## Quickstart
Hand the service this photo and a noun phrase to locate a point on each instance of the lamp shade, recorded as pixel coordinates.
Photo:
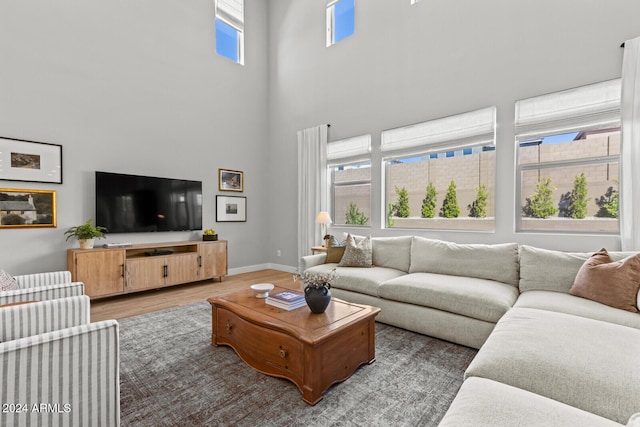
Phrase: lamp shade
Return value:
(323, 218)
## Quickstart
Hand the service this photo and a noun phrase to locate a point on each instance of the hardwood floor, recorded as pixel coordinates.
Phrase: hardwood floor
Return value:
(122, 306)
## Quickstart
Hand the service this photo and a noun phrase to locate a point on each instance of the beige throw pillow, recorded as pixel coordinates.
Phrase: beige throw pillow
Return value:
(335, 250)
(356, 254)
(614, 283)
(7, 282)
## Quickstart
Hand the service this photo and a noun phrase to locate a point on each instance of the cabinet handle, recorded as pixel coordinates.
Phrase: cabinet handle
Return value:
(199, 260)
(229, 328)
(166, 270)
(283, 353)
(122, 270)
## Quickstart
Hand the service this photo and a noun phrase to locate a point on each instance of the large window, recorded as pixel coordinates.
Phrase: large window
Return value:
(440, 174)
(349, 162)
(340, 20)
(568, 151)
(230, 29)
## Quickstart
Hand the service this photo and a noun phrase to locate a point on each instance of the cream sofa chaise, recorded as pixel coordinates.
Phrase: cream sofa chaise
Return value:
(550, 358)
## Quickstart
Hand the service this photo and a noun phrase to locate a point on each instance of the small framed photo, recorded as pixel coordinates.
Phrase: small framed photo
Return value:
(230, 180)
(21, 208)
(30, 161)
(231, 209)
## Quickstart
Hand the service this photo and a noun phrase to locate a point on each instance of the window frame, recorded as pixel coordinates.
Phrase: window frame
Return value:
(235, 19)
(348, 152)
(570, 116)
(331, 22)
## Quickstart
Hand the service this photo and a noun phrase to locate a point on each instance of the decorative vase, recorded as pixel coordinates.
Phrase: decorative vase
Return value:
(86, 243)
(318, 299)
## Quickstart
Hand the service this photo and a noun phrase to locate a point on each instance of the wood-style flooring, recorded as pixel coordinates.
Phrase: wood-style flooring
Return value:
(134, 304)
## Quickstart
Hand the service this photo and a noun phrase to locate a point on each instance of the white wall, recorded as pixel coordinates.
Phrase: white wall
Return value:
(133, 87)
(407, 64)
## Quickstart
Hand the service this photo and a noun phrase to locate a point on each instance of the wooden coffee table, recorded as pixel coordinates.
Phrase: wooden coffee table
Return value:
(314, 351)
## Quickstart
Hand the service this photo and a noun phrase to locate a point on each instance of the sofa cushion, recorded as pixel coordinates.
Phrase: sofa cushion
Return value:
(492, 262)
(392, 252)
(614, 283)
(357, 254)
(477, 298)
(7, 282)
(486, 403)
(565, 303)
(560, 268)
(362, 280)
(585, 363)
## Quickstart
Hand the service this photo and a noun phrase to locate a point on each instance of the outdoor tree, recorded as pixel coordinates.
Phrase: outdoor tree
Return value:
(608, 204)
(478, 208)
(355, 216)
(390, 220)
(540, 204)
(450, 208)
(429, 201)
(401, 208)
(578, 199)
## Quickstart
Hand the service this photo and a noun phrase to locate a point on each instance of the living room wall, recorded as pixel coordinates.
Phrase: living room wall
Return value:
(407, 64)
(133, 87)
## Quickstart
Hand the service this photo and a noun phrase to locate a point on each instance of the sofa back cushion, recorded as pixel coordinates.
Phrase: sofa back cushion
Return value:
(392, 252)
(548, 270)
(493, 262)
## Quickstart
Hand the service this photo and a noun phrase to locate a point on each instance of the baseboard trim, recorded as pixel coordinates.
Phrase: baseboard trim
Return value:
(258, 267)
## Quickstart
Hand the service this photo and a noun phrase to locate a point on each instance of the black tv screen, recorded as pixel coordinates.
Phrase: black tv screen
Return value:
(133, 203)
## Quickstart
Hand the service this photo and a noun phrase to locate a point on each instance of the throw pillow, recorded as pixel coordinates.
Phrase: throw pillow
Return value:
(356, 254)
(335, 250)
(7, 282)
(614, 283)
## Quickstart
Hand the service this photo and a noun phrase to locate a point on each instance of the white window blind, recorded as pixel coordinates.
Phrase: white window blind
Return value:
(462, 130)
(232, 12)
(350, 149)
(595, 106)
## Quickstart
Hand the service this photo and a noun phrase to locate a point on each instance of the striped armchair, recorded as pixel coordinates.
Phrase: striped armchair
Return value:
(56, 368)
(42, 286)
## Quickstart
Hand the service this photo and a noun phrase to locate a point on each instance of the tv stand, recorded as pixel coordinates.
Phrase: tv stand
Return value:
(121, 270)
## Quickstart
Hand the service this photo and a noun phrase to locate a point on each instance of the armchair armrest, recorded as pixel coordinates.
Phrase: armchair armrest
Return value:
(42, 293)
(75, 371)
(26, 281)
(25, 320)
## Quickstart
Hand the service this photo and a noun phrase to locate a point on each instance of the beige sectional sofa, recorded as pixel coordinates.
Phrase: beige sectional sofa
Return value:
(546, 357)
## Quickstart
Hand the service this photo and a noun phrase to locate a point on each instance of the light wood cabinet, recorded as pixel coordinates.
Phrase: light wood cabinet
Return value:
(113, 271)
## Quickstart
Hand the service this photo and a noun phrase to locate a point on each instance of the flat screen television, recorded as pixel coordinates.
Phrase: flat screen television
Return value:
(133, 203)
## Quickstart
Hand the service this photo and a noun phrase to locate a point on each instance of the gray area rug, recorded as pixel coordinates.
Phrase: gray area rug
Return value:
(170, 375)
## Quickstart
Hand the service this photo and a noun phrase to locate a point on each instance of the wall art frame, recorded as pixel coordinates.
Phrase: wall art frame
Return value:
(30, 161)
(230, 180)
(231, 209)
(23, 208)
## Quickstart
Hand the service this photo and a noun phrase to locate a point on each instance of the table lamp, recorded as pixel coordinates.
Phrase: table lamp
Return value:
(323, 218)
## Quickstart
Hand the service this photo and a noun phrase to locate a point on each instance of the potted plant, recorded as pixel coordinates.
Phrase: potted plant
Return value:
(209, 234)
(86, 234)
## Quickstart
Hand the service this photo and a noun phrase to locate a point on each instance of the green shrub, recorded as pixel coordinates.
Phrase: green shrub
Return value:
(578, 198)
(429, 201)
(390, 221)
(354, 216)
(478, 208)
(450, 208)
(608, 204)
(540, 204)
(401, 208)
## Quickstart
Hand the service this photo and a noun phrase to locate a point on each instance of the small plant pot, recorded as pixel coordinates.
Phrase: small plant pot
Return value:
(86, 243)
(209, 237)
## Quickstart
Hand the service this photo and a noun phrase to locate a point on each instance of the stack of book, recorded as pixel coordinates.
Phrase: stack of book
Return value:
(286, 300)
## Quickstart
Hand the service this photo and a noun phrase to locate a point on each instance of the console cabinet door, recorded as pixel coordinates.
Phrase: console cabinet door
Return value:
(213, 259)
(101, 271)
(181, 268)
(145, 273)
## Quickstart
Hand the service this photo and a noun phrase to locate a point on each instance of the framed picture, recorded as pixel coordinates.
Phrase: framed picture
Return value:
(21, 208)
(231, 209)
(30, 161)
(230, 180)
